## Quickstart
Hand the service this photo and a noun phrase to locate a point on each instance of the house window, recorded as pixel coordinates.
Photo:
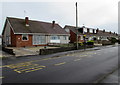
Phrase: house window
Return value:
(24, 37)
(65, 37)
(95, 31)
(91, 31)
(39, 39)
(55, 37)
(85, 29)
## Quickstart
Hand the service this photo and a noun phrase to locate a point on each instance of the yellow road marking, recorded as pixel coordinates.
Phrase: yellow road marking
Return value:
(90, 56)
(18, 71)
(1, 77)
(33, 70)
(77, 59)
(32, 65)
(59, 63)
(30, 68)
(25, 67)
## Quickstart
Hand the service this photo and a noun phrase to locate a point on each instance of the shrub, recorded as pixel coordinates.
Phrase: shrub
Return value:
(90, 42)
(113, 40)
(80, 43)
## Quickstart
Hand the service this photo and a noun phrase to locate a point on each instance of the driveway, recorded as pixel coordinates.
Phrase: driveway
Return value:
(21, 51)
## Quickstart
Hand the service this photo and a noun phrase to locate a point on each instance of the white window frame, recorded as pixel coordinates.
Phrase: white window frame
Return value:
(38, 37)
(95, 31)
(91, 30)
(85, 29)
(26, 36)
(65, 37)
(55, 36)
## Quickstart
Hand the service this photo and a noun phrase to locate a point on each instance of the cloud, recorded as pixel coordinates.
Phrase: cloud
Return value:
(92, 13)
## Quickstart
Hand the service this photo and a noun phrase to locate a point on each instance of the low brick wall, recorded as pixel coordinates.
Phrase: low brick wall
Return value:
(106, 43)
(62, 49)
(10, 51)
(55, 50)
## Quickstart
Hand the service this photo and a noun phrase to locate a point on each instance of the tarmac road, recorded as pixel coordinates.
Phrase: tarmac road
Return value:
(82, 67)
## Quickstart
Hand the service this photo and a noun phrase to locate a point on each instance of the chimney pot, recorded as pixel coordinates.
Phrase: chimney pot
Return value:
(93, 31)
(88, 30)
(104, 30)
(53, 24)
(97, 30)
(26, 21)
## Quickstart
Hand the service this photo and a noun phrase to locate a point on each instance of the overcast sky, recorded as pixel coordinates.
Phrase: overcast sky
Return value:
(102, 14)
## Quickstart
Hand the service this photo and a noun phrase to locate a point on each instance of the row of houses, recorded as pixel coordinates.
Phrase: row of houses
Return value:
(90, 33)
(24, 32)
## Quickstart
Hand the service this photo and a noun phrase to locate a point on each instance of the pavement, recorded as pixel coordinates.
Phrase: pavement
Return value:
(28, 51)
(74, 67)
(111, 78)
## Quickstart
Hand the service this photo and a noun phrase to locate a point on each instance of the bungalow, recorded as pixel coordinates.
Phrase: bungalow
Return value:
(91, 34)
(24, 32)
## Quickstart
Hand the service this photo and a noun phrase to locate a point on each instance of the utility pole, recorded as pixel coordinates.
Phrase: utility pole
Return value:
(76, 27)
(24, 13)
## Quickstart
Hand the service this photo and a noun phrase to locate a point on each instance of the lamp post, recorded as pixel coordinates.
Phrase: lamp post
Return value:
(76, 27)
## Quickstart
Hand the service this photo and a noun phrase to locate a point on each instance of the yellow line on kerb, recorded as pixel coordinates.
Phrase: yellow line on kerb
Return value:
(59, 64)
(1, 77)
(77, 59)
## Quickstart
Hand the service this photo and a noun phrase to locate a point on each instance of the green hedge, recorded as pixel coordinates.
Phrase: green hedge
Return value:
(113, 40)
(90, 42)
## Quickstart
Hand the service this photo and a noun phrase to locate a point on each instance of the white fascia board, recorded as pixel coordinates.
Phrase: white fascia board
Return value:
(10, 26)
(42, 34)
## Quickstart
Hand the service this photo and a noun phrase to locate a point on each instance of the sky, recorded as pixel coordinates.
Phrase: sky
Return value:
(102, 14)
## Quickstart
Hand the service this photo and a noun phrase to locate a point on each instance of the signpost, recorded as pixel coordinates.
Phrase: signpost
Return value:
(84, 36)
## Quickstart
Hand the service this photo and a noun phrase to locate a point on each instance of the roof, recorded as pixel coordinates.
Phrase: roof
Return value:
(100, 33)
(73, 29)
(18, 26)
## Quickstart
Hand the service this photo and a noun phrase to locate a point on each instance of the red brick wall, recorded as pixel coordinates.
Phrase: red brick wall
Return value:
(13, 39)
(21, 43)
(16, 40)
(73, 37)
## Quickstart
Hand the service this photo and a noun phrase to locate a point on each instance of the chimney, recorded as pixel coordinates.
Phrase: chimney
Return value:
(53, 24)
(97, 30)
(26, 21)
(93, 31)
(88, 30)
(104, 30)
(110, 32)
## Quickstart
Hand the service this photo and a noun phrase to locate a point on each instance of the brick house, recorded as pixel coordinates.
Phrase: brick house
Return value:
(91, 33)
(72, 31)
(24, 32)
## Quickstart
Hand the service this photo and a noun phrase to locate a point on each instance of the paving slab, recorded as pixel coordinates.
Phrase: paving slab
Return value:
(112, 78)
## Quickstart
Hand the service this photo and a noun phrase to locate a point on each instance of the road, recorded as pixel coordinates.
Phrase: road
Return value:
(82, 67)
